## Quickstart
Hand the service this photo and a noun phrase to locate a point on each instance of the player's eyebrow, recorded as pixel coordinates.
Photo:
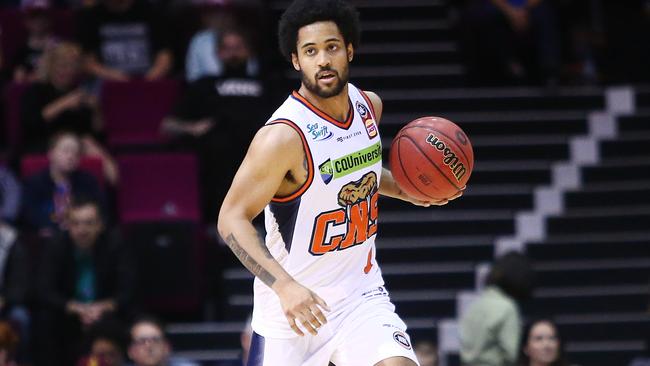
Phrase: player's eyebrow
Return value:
(333, 39)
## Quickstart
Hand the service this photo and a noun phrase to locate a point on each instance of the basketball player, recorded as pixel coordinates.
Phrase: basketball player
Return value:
(316, 171)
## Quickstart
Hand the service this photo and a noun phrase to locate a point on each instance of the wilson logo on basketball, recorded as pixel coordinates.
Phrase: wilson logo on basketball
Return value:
(353, 223)
(450, 157)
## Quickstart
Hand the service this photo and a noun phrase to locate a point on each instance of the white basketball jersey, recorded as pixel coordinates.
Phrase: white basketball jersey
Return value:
(324, 234)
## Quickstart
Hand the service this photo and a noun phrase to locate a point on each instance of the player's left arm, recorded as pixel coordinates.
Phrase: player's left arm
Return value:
(388, 186)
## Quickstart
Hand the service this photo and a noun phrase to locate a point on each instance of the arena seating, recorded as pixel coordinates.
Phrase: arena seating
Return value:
(593, 268)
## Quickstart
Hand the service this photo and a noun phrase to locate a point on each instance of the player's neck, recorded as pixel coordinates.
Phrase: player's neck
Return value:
(336, 106)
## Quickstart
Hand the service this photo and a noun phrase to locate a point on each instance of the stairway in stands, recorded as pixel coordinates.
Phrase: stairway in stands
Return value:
(427, 256)
(594, 266)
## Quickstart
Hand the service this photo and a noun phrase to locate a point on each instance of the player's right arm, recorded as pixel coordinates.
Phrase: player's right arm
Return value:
(275, 152)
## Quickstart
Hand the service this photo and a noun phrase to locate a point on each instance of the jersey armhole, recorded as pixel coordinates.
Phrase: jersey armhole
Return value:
(310, 164)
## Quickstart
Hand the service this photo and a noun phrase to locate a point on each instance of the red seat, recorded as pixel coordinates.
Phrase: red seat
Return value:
(158, 187)
(34, 163)
(134, 110)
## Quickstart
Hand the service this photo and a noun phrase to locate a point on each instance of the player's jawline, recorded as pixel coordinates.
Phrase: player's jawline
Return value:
(256, 269)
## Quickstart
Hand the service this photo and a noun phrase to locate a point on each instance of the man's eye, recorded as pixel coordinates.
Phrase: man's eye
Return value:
(310, 51)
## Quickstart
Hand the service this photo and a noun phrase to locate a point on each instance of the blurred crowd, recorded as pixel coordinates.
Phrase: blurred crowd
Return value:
(81, 80)
(74, 287)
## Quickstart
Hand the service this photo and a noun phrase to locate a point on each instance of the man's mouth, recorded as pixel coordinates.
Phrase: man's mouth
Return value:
(326, 75)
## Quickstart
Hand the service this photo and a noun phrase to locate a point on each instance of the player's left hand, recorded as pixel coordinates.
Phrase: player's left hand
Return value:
(418, 202)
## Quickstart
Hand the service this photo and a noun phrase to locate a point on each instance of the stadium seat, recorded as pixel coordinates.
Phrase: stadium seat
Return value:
(158, 187)
(133, 110)
(33, 163)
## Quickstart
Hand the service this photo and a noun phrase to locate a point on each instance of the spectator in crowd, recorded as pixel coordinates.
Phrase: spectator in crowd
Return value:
(510, 41)
(490, 330)
(14, 262)
(106, 342)
(10, 195)
(86, 275)
(48, 193)
(28, 56)
(217, 116)
(542, 345)
(14, 287)
(8, 342)
(202, 59)
(150, 346)
(426, 352)
(62, 103)
(123, 39)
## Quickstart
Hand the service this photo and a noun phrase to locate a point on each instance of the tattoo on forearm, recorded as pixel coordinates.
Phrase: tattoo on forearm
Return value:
(249, 262)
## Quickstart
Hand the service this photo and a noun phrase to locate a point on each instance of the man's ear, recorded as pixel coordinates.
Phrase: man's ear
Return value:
(294, 61)
(350, 50)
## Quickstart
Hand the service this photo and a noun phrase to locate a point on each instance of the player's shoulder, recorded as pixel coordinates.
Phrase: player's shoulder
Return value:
(276, 138)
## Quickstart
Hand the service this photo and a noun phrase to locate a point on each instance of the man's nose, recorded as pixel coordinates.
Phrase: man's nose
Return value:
(323, 59)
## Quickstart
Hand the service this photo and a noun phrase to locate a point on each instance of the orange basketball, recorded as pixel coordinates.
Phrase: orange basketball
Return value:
(431, 158)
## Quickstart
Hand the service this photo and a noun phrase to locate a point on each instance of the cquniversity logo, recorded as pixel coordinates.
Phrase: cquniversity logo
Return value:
(318, 133)
(326, 171)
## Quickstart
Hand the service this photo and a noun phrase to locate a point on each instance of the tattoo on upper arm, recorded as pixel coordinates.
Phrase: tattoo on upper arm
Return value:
(250, 263)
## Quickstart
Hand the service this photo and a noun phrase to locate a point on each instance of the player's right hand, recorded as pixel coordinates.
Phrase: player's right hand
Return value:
(302, 306)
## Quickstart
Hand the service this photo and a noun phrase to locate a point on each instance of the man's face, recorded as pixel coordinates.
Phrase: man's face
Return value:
(322, 58)
(149, 347)
(84, 225)
(108, 351)
(64, 155)
(233, 50)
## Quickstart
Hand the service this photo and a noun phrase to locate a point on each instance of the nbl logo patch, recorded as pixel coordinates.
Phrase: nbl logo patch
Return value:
(369, 123)
(402, 339)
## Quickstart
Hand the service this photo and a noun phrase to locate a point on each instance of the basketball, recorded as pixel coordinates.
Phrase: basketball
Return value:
(431, 158)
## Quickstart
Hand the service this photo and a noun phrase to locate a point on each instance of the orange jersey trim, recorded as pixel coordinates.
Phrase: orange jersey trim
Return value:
(310, 165)
(345, 125)
(372, 107)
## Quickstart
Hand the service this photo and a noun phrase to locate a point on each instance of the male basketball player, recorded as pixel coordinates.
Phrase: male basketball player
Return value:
(315, 169)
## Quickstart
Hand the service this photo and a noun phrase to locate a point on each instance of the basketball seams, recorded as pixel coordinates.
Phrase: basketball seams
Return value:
(430, 161)
(404, 170)
(426, 128)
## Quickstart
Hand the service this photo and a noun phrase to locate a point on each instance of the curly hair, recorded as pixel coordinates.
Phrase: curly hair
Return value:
(304, 12)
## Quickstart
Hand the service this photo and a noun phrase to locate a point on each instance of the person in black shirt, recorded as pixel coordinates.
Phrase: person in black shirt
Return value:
(59, 102)
(218, 115)
(62, 103)
(86, 275)
(123, 39)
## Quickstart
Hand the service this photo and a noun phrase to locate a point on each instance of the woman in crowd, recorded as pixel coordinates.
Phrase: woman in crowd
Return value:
(542, 345)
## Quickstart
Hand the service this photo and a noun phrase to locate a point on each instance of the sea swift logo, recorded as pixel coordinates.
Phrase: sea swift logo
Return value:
(366, 117)
(318, 132)
(340, 167)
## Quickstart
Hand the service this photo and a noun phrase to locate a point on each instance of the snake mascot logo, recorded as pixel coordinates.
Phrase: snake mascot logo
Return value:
(357, 215)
